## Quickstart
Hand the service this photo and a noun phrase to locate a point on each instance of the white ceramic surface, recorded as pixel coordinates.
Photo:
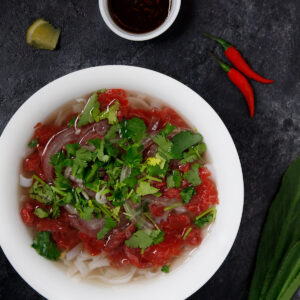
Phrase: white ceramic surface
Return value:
(174, 10)
(52, 282)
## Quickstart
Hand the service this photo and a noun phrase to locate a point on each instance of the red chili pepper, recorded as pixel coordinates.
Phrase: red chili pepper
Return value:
(241, 82)
(237, 60)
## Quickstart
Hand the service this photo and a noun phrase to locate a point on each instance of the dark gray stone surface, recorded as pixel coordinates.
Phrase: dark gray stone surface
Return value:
(267, 33)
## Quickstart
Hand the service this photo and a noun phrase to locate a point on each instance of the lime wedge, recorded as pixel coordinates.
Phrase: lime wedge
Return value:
(42, 35)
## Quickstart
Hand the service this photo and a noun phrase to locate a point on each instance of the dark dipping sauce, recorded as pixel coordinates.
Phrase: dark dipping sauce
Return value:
(139, 16)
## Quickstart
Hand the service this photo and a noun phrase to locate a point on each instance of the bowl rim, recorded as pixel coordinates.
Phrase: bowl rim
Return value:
(221, 246)
(175, 7)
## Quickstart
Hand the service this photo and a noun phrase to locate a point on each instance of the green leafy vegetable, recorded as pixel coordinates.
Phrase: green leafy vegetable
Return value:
(72, 121)
(33, 143)
(184, 140)
(187, 233)
(206, 217)
(140, 239)
(41, 213)
(164, 146)
(45, 247)
(157, 236)
(110, 114)
(86, 213)
(110, 223)
(135, 129)
(192, 176)
(187, 194)
(144, 188)
(165, 269)
(276, 274)
(174, 180)
(193, 153)
(86, 116)
(99, 152)
(42, 193)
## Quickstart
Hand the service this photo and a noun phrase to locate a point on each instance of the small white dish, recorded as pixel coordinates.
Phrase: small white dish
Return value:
(47, 277)
(174, 10)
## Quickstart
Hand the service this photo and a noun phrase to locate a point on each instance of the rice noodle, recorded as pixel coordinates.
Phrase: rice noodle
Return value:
(25, 182)
(73, 252)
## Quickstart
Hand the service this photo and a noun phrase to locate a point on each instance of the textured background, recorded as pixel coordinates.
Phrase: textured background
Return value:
(268, 34)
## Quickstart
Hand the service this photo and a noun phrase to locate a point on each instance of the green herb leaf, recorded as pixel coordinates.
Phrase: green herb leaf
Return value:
(184, 140)
(206, 217)
(133, 156)
(42, 193)
(41, 213)
(99, 152)
(33, 143)
(72, 121)
(193, 153)
(71, 149)
(112, 132)
(169, 128)
(135, 129)
(192, 176)
(140, 239)
(174, 180)
(110, 114)
(144, 188)
(157, 236)
(165, 269)
(280, 234)
(86, 213)
(45, 247)
(86, 116)
(187, 194)
(164, 146)
(110, 223)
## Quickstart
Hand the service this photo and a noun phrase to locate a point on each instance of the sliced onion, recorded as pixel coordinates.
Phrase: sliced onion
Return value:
(101, 198)
(126, 170)
(71, 209)
(73, 252)
(25, 182)
(55, 144)
(92, 131)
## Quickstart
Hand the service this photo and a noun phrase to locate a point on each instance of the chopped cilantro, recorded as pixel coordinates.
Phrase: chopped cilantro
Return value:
(187, 233)
(164, 146)
(135, 129)
(45, 247)
(86, 116)
(144, 188)
(110, 114)
(193, 153)
(184, 140)
(41, 213)
(72, 121)
(169, 128)
(71, 149)
(140, 239)
(206, 217)
(157, 236)
(174, 180)
(42, 193)
(33, 143)
(112, 132)
(110, 223)
(165, 269)
(192, 176)
(86, 213)
(133, 156)
(187, 194)
(99, 151)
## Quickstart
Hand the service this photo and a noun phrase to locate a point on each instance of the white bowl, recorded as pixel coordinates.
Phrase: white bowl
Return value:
(45, 276)
(175, 7)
